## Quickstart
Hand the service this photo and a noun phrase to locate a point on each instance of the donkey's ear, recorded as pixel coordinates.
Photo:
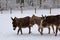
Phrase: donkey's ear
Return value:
(42, 15)
(15, 17)
(12, 18)
(45, 17)
(33, 15)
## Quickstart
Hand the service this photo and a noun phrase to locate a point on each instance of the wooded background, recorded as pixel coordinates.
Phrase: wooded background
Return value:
(29, 4)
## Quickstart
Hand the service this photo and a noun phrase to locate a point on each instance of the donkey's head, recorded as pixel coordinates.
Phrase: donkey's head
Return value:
(14, 22)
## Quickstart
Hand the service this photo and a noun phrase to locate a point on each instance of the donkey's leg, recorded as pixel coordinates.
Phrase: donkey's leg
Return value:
(49, 30)
(18, 32)
(29, 30)
(38, 28)
(53, 28)
(56, 30)
(41, 27)
(41, 31)
(21, 31)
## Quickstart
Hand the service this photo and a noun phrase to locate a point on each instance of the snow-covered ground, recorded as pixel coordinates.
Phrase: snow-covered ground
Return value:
(7, 32)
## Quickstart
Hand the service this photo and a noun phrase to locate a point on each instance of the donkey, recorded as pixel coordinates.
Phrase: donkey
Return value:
(42, 23)
(37, 20)
(22, 23)
(57, 24)
(54, 20)
(49, 21)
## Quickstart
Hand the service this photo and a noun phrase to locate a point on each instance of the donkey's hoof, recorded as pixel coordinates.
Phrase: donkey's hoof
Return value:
(55, 35)
(41, 33)
(29, 32)
(49, 33)
(21, 33)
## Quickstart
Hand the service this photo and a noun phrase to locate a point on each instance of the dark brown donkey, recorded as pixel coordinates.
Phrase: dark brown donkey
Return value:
(49, 21)
(57, 23)
(52, 20)
(22, 23)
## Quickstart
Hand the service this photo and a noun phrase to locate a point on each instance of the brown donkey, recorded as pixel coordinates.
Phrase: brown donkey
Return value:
(40, 21)
(22, 23)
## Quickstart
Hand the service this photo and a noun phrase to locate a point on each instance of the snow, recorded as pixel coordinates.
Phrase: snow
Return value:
(7, 32)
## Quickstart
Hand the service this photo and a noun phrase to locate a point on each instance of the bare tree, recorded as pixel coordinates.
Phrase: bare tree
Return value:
(44, 0)
(35, 10)
(54, 1)
(10, 10)
(6, 4)
(40, 2)
(50, 10)
(31, 2)
(0, 7)
(17, 1)
(0, 4)
(22, 5)
(20, 1)
(21, 9)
